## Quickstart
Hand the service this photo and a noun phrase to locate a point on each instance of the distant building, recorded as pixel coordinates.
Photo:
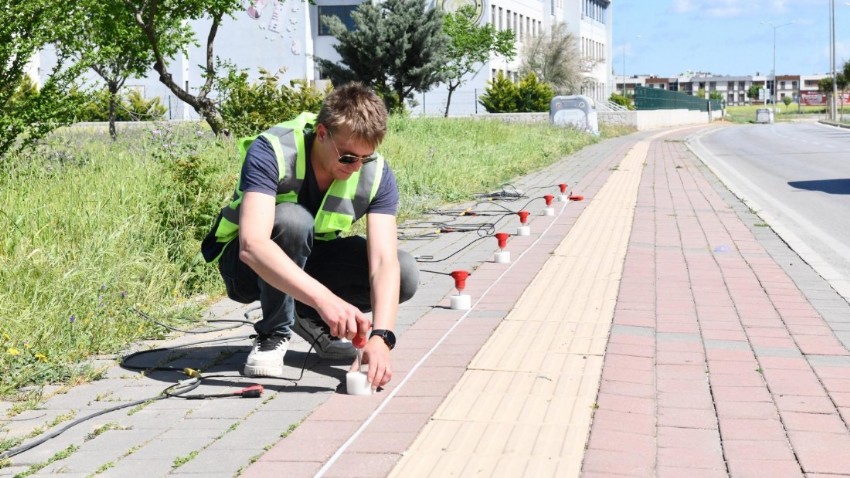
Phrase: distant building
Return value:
(733, 89)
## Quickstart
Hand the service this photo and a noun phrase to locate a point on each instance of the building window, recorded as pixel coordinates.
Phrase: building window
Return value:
(594, 9)
(343, 12)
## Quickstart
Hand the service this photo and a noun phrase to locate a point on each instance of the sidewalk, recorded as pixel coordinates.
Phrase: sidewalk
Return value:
(653, 329)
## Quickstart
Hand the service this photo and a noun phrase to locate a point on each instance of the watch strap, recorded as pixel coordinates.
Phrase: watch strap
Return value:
(387, 335)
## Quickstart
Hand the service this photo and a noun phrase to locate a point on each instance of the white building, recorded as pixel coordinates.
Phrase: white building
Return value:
(287, 34)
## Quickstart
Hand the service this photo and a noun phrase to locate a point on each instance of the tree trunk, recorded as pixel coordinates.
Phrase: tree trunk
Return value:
(449, 98)
(113, 93)
(205, 107)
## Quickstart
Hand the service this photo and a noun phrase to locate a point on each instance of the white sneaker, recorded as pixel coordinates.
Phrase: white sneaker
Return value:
(266, 357)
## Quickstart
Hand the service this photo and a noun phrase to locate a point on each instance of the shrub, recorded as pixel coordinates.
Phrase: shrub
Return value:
(621, 100)
(534, 95)
(130, 106)
(501, 95)
(193, 185)
(504, 96)
(250, 108)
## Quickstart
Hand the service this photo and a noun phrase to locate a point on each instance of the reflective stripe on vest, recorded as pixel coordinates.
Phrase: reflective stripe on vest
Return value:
(344, 202)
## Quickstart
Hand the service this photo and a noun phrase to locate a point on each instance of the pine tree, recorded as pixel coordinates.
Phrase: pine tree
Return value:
(397, 47)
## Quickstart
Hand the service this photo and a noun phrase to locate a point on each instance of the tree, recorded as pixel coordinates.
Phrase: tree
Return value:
(397, 47)
(28, 113)
(470, 46)
(554, 58)
(119, 48)
(753, 92)
(825, 84)
(165, 26)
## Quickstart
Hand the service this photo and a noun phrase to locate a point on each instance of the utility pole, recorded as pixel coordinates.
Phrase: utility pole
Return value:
(773, 93)
(833, 110)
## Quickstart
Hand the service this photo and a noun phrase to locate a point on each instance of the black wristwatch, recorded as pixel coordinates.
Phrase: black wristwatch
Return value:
(387, 335)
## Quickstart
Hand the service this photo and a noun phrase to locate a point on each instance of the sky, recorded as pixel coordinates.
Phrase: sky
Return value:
(666, 38)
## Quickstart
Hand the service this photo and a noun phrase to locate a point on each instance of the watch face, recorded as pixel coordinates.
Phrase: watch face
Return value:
(451, 6)
(387, 335)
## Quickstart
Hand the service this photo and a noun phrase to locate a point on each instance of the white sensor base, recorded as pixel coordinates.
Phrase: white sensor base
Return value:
(356, 384)
(502, 257)
(523, 231)
(549, 211)
(461, 302)
(563, 198)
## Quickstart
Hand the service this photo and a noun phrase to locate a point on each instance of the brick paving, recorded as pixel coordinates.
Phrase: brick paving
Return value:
(716, 352)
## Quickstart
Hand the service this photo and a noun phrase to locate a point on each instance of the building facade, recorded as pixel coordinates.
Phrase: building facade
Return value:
(288, 36)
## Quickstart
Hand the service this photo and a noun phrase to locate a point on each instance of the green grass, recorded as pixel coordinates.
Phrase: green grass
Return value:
(94, 228)
(747, 114)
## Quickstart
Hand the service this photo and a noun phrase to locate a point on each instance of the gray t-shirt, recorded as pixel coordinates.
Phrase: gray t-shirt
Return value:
(260, 174)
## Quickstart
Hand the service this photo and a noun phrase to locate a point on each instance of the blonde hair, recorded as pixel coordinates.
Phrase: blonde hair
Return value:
(357, 109)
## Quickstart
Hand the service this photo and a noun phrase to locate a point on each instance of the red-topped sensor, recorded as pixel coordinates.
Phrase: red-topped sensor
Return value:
(460, 279)
(523, 216)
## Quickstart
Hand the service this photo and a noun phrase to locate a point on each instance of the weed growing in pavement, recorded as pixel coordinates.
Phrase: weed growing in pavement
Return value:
(290, 429)
(140, 407)
(58, 456)
(102, 429)
(103, 468)
(182, 460)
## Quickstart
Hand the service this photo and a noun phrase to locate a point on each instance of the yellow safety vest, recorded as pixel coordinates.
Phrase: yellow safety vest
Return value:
(344, 202)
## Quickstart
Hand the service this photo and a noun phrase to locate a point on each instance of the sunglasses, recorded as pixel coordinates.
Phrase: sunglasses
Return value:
(351, 158)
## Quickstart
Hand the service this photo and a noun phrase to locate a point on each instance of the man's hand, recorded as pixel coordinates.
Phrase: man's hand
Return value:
(343, 319)
(377, 355)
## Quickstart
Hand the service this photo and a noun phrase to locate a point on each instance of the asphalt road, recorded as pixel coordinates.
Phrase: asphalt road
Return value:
(796, 177)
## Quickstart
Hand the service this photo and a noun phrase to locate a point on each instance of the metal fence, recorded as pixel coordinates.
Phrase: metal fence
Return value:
(433, 103)
(658, 99)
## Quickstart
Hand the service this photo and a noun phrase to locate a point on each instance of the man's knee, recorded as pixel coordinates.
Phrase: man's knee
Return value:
(292, 224)
(409, 276)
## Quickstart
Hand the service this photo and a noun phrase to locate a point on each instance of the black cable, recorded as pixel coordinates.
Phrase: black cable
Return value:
(189, 371)
(176, 390)
(430, 259)
(436, 272)
(238, 323)
(188, 386)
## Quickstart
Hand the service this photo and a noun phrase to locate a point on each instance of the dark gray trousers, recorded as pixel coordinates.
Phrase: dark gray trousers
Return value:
(341, 265)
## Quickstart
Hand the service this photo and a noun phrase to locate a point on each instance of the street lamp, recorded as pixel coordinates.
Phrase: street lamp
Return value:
(624, 63)
(776, 27)
(833, 112)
